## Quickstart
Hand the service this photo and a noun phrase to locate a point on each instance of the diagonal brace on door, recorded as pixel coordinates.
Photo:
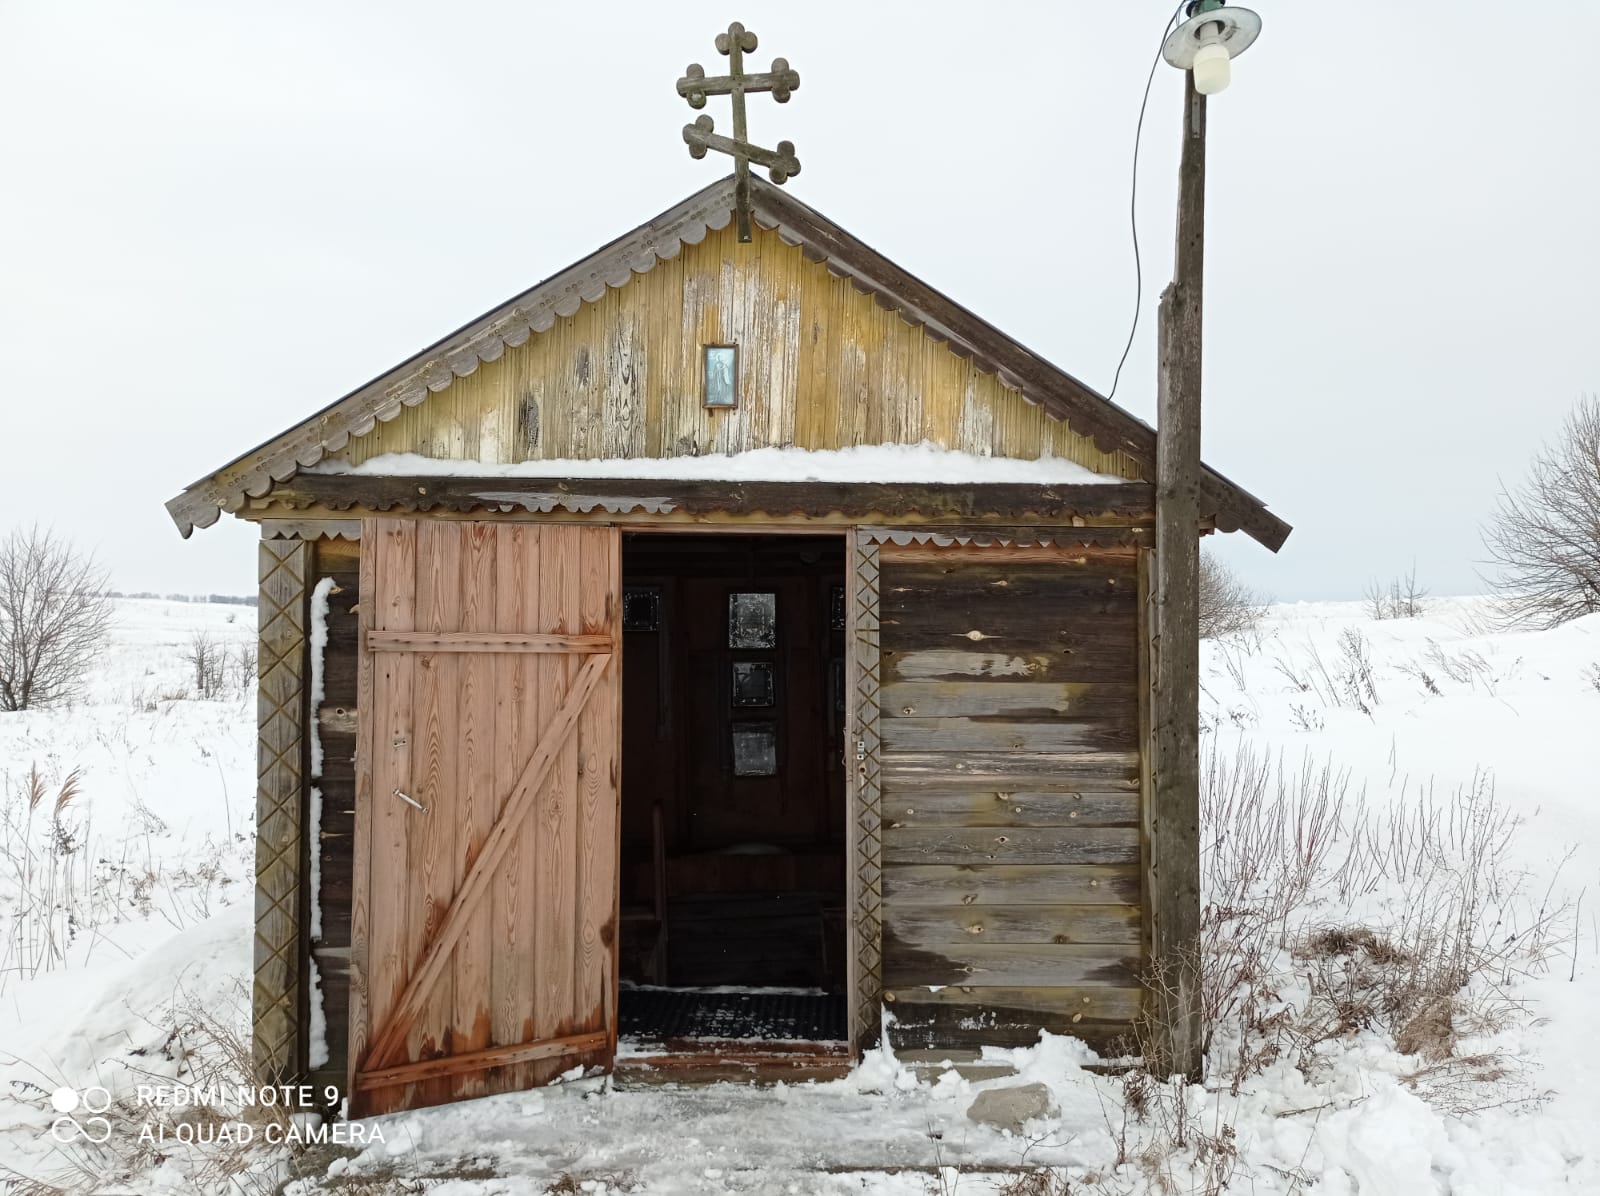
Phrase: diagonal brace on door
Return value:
(388, 1045)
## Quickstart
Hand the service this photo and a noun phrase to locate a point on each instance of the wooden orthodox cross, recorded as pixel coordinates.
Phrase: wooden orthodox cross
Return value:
(695, 87)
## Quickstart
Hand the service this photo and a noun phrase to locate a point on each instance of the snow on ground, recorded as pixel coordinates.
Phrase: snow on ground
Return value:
(1520, 706)
(1456, 704)
(136, 894)
(1408, 707)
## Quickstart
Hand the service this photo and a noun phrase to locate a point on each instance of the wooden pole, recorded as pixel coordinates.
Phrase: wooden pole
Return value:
(1173, 821)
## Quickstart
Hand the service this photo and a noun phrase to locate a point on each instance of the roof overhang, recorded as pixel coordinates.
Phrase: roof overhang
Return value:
(1116, 505)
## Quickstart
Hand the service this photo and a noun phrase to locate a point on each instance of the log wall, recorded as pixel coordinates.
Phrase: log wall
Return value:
(821, 366)
(336, 727)
(1009, 723)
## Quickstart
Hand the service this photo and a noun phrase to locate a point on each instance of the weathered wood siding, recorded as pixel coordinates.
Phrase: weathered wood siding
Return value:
(1010, 794)
(821, 366)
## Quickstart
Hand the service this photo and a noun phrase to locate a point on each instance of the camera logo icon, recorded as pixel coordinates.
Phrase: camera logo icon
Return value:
(80, 1114)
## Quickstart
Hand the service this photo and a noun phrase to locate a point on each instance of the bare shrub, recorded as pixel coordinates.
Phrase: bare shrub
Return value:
(242, 664)
(208, 663)
(1227, 604)
(1544, 536)
(54, 615)
(1401, 598)
(215, 667)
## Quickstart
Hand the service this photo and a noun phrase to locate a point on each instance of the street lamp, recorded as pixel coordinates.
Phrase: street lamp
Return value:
(1202, 47)
(1213, 36)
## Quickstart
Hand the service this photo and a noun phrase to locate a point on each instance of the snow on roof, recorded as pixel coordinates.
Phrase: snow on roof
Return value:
(923, 462)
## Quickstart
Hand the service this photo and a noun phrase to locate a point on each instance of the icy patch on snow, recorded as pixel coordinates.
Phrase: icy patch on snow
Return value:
(921, 462)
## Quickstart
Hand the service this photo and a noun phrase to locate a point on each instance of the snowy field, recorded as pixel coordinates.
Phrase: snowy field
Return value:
(1414, 778)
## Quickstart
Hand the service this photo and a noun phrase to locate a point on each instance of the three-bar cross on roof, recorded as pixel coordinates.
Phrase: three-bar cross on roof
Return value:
(695, 87)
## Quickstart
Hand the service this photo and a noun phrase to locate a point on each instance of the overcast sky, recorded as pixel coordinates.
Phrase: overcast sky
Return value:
(216, 218)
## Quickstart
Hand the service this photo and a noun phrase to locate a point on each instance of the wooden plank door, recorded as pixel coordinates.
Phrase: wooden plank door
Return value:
(483, 954)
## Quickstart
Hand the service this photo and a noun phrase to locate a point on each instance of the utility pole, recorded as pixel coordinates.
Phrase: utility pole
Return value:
(1175, 765)
(1203, 48)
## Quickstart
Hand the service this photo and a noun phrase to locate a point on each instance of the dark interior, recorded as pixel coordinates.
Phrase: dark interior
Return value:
(732, 780)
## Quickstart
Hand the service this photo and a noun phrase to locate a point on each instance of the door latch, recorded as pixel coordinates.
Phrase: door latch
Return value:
(410, 801)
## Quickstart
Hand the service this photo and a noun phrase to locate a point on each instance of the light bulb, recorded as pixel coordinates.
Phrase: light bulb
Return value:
(1210, 67)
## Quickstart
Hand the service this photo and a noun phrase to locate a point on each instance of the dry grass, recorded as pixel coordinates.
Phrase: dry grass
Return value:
(1045, 1181)
(608, 1182)
(44, 866)
(198, 1043)
(62, 883)
(1349, 681)
(1326, 916)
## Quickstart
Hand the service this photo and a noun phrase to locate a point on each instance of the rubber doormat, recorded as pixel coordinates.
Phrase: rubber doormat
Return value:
(656, 1015)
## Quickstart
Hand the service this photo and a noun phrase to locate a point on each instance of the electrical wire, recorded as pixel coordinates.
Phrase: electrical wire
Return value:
(1133, 201)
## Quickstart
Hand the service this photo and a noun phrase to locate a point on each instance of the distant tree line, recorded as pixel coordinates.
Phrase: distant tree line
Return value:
(213, 599)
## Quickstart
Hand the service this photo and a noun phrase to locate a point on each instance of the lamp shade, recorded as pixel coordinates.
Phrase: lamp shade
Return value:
(1210, 67)
(1208, 42)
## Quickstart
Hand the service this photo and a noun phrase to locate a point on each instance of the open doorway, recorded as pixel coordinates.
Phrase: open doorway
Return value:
(732, 876)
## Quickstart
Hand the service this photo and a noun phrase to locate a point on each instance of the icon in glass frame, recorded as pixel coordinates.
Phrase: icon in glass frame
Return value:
(641, 608)
(754, 683)
(755, 749)
(753, 620)
(722, 376)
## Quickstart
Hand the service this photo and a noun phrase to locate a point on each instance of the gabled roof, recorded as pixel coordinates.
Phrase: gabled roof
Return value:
(1064, 397)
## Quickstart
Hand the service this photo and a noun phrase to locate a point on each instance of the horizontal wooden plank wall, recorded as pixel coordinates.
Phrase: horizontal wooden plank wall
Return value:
(1009, 720)
(821, 366)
